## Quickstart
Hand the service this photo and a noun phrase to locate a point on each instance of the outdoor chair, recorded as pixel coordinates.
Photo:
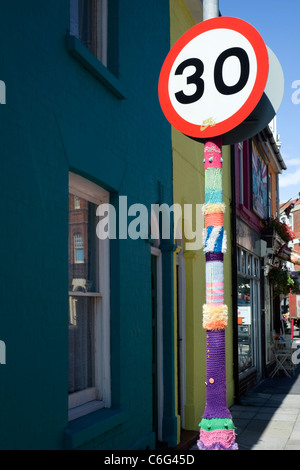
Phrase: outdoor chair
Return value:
(283, 358)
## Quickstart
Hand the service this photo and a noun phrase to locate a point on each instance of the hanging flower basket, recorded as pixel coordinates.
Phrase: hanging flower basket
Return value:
(277, 231)
(277, 234)
(283, 281)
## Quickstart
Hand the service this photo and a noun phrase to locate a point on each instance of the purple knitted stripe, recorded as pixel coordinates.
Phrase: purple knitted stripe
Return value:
(216, 400)
(216, 446)
(214, 257)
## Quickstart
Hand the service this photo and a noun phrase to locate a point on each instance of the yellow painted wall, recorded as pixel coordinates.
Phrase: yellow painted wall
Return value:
(188, 180)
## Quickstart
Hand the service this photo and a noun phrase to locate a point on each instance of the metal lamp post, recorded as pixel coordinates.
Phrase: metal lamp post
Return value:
(216, 427)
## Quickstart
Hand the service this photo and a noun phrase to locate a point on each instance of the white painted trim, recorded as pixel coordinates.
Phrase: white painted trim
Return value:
(160, 383)
(180, 262)
(84, 294)
(101, 394)
(79, 398)
(87, 190)
(105, 319)
(155, 251)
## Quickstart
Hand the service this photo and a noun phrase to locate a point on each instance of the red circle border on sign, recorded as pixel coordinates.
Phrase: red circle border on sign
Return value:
(260, 49)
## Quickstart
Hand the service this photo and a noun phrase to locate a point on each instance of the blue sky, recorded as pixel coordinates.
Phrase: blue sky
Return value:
(278, 22)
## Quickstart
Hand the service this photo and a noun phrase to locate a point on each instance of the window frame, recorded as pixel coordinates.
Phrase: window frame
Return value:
(101, 41)
(248, 272)
(91, 399)
(108, 74)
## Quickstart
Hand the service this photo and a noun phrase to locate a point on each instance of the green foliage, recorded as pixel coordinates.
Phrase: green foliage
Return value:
(283, 281)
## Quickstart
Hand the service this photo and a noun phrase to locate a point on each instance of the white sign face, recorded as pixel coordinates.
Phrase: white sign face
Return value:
(244, 312)
(223, 102)
(213, 77)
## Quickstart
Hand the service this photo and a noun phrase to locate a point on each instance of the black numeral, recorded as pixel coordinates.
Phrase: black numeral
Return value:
(195, 78)
(221, 86)
(245, 71)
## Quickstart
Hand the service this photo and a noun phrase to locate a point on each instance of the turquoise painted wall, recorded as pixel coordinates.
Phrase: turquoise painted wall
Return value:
(60, 117)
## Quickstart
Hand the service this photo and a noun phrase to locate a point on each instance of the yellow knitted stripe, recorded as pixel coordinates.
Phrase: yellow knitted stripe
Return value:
(215, 317)
(212, 208)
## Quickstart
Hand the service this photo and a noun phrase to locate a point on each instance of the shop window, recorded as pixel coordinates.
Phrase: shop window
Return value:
(245, 334)
(248, 309)
(89, 349)
(260, 195)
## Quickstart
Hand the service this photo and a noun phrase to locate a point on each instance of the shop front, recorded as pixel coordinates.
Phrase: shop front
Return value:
(249, 306)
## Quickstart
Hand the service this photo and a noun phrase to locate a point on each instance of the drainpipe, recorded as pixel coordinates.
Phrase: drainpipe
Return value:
(210, 9)
(234, 276)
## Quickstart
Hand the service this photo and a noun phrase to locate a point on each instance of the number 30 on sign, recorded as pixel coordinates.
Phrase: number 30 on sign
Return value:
(213, 77)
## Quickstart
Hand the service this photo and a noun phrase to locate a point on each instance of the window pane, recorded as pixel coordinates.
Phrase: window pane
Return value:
(77, 202)
(249, 264)
(89, 23)
(256, 267)
(87, 15)
(81, 343)
(83, 247)
(243, 261)
(79, 255)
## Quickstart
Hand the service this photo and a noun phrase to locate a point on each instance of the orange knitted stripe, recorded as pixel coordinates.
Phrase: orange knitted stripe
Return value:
(215, 325)
(214, 219)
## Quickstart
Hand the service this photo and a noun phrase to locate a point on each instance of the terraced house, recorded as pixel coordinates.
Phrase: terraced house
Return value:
(88, 324)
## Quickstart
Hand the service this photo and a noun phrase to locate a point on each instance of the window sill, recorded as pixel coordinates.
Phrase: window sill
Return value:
(78, 293)
(86, 428)
(83, 410)
(94, 66)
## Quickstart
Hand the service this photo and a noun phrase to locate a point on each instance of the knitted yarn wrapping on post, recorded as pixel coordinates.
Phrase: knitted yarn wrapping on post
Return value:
(215, 317)
(217, 440)
(217, 431)
(215, 240)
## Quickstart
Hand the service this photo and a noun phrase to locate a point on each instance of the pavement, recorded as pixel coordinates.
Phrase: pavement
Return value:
(268, 417)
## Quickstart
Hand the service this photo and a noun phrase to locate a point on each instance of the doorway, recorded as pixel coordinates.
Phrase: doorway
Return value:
(181, 342)
(157, 345)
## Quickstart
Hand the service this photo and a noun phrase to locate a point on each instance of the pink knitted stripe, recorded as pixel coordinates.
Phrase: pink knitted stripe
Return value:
(213, 152)
(214, 284)
(226, 437)
(212, 290)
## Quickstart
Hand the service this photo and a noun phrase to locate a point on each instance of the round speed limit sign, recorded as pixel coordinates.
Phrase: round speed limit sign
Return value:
(213, 77)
